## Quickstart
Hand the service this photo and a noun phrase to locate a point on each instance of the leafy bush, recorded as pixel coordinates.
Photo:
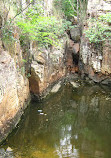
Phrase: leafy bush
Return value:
(106, 18)
(7, 32)
(35, 26)
(68, 7)
(98, 30)
(7, 35)
(44, 30)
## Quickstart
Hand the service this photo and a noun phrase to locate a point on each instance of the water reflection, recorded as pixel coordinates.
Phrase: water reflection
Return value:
(75, 123)
(66, 148)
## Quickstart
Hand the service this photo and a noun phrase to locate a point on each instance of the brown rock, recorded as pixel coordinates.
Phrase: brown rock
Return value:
(14, 92)
(47, 67)
(75, 34)
(39, 57)
(76, 47)
(34, 81)
(106, 62)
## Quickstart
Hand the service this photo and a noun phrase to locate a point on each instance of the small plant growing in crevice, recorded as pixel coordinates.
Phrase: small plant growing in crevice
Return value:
(7, 36)
(7, 32)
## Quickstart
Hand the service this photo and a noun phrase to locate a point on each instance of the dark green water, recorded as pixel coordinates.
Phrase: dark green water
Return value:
(74, 123)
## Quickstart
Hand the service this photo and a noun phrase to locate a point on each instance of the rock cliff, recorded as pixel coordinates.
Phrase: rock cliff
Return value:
(14, 93)
(95, 60)
(47, 67)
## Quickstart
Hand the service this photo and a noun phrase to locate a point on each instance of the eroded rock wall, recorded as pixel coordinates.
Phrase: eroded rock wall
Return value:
(47, 67)
(14, 92)
(95, 59)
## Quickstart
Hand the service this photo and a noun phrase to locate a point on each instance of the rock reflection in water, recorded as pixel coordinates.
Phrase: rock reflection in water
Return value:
(75, 123)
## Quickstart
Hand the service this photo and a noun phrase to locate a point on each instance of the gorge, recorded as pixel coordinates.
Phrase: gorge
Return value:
(46, 49)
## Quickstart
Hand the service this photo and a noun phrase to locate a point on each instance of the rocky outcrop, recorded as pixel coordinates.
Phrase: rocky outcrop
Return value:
(75, 34)
(95, 58)
(72, 56)
(98, 7)
(72, 50)
(14, 86)
(48, 7)
(51, 64)
(47, 67)
(106, 62)
(94, 61)
(14, 93)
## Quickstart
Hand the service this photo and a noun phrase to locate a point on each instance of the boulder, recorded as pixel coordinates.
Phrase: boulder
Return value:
(75, 34)
(56, 88)
(76, 48)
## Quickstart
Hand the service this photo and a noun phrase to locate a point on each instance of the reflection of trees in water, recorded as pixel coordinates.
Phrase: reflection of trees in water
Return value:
(76, 124)
(93, 113)
(66, 148)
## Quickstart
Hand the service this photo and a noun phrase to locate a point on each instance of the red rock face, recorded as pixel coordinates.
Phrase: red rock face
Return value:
(72, 57)
(34, 84)
(39, 83)
(51, 65)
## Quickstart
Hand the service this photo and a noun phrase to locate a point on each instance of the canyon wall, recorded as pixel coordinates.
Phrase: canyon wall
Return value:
(44, 67)
(14, 89)
(95, 60)
(47, 67)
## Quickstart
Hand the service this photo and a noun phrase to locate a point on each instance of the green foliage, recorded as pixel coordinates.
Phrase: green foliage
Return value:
(99, 30)
(7, 32)
(71, 8)
(106, 17)
(44, 30)
(7, 35)
(24, 60)
(28, 75)
(68, 7)
(66, 24)
(22, 70)
(34, 11)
